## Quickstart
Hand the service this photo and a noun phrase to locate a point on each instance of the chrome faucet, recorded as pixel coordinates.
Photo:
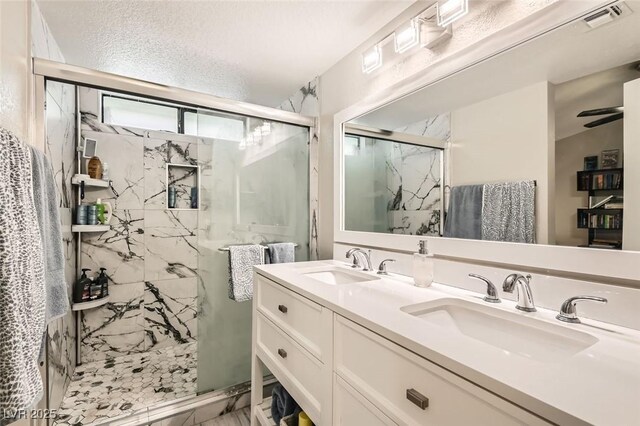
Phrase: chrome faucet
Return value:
(568, 309)
(492, 293)
(382, 269)
(522, 284)
(364, 260)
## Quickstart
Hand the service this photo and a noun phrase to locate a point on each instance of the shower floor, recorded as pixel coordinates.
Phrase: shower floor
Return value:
(111, 388)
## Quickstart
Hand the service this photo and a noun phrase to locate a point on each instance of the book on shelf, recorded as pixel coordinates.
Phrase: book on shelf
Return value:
(600, 180)
(602, 202)
(614, 206)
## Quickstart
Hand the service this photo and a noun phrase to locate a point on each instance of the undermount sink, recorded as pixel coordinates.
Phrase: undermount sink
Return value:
(334, 275)
(511, 332)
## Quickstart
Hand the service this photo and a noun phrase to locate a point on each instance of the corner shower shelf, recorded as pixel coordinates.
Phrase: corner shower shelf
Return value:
(263, 413)
(90, 305)
(88, 182)
(90, 228)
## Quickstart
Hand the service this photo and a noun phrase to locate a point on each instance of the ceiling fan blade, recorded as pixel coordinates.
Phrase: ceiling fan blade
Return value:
(601, 111)
(605, 120)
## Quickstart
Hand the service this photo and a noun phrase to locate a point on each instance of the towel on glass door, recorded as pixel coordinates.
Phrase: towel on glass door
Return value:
(508, 212)
(282, 252)
(241, 261)
(22, 290)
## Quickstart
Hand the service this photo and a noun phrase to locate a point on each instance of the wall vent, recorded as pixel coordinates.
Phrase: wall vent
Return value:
(608, 14)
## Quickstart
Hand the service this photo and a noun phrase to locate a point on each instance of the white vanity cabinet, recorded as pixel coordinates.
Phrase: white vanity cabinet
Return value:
(344, 374)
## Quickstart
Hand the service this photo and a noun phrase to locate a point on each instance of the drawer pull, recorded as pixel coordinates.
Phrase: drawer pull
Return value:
(282, 309)
(282, 353)
(417, 398)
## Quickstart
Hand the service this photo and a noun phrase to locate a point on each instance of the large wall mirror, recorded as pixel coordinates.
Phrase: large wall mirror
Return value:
(538, 145)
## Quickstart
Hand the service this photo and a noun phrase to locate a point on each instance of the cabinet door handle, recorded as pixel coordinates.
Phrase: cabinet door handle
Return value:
(282, 309)
(417, 398)
(282, 353)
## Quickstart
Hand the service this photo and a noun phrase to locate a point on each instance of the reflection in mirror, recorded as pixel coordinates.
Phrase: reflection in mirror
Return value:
(391, 184)
(546, 155)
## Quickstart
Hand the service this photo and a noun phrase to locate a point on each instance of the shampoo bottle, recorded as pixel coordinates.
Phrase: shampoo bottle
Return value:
(81, 291)
(104, 283)
(423, 266)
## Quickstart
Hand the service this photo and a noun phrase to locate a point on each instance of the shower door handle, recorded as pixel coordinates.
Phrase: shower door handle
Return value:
(282, 309)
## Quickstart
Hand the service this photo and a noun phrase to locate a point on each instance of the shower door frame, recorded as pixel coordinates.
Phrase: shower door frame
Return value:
(44, 70)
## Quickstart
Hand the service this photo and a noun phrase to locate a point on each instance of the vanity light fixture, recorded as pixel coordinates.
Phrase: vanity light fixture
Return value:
(451, 10)
(372, 59)
(407, 36)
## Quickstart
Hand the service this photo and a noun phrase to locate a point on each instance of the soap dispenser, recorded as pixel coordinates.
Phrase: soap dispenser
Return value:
(81, 289)
(423, 266)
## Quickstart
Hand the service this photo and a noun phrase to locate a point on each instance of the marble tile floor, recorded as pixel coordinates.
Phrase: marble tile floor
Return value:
(102, 390)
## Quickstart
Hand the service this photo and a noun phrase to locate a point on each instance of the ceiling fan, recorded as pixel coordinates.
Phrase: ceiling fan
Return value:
(612, 113)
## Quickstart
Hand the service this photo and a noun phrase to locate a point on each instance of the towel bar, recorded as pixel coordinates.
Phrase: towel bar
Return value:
(264, 247)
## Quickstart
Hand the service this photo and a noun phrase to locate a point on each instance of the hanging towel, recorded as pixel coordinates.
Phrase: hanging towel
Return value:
(508, 212)
(282, 404)
(44, 197)
(464, 217)
(282, 252)
(241, 261)
(22, 290)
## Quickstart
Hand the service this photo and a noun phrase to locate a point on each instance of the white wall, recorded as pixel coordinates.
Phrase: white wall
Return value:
(15, 67)
(631, 227)
(507, 138)
(570, 153)
(344, 84)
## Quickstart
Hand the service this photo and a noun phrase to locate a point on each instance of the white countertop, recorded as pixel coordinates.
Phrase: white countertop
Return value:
(599, 385)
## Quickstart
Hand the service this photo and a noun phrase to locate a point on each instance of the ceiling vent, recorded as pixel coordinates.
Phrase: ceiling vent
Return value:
(608, 14)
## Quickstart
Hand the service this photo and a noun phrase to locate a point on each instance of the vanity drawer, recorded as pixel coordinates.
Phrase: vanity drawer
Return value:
(305, 321)
(411, 390)
(352, 409)
(304, 377)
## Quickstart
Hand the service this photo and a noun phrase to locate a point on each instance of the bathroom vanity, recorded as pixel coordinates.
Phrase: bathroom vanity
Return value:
(359, 348)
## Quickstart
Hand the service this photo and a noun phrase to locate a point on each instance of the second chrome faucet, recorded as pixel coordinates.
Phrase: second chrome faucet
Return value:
(517, 282)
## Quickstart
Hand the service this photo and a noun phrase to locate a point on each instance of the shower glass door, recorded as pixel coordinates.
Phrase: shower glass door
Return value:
(254, 188)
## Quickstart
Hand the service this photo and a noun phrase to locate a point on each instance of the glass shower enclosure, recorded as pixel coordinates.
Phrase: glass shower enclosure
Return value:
(238, 179)
(255, 189)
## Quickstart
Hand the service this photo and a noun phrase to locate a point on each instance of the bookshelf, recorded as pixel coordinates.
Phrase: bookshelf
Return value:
(603, 219)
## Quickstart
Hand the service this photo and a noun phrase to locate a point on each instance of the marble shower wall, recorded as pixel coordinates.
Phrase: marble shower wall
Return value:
(306, 101)
(415, 178)
(150, 253)
(60, 149)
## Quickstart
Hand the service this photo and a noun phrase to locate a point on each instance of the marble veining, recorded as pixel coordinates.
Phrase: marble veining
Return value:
(414, 192)
(171, 244)
(124, 157)
(157, 154)
(60, 149)
(119, 250)
(306, 101)
(106, 389)
(115, 328)
(170, 311)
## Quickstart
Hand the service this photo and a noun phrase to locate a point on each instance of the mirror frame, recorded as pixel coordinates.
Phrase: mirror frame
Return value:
(607, 265)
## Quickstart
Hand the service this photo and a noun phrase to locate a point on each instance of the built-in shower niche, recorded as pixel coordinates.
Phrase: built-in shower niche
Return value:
(182, 186)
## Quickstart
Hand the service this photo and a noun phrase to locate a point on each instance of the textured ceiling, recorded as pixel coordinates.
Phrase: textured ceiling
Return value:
(254, 51)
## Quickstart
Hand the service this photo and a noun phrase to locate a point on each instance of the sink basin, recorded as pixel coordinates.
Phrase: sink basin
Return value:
(334, 275)
(511, 332)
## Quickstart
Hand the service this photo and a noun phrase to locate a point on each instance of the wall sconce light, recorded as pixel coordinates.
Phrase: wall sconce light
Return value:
(372, 59)
(451, 10)
(407, 36)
